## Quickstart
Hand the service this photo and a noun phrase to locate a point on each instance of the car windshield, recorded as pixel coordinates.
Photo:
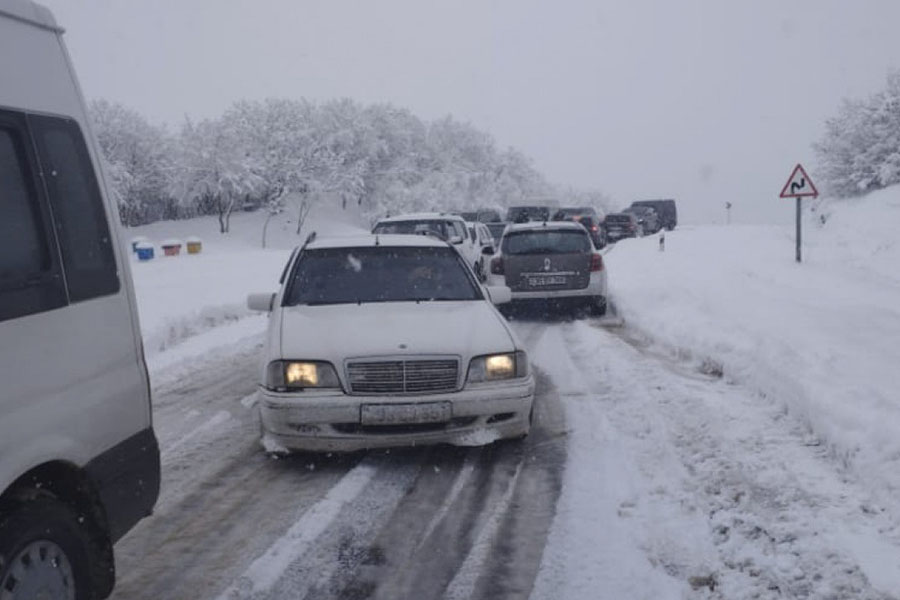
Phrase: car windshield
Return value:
(564, 213)
(496, 229)
(379, 274)
(546, 242)
(528, 213)
(440, 229)
(619, 218)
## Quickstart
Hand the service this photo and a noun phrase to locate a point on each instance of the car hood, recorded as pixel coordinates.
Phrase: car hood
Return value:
(340, 331)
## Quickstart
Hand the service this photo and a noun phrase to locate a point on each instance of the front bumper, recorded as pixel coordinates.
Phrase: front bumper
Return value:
(331, 421)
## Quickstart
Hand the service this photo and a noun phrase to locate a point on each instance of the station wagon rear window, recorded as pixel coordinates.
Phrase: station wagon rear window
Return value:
(546, 242)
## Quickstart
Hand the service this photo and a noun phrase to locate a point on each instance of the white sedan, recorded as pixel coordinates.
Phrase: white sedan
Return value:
(388, 340)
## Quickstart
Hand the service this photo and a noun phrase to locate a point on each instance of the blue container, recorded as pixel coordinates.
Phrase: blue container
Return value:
(144, 252)
(137, 242)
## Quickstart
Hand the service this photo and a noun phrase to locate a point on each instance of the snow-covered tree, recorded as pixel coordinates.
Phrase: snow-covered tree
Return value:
(139, 162)
(216, 170)
(860, 150)
(288, 154)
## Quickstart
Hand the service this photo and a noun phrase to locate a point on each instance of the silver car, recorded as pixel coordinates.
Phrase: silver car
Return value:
(554, 263)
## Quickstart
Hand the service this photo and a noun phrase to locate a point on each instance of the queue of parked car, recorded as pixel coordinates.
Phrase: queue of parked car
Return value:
(398, 337)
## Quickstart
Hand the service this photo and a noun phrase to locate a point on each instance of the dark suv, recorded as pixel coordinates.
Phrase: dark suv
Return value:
(668, 214)
(588, 218)
(621, 225)
(524, 214)
(647, 218)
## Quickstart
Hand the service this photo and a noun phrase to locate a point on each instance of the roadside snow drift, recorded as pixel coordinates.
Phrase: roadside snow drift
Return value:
(821, 337)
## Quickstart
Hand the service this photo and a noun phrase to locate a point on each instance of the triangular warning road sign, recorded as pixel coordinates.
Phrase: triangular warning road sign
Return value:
(799, 185)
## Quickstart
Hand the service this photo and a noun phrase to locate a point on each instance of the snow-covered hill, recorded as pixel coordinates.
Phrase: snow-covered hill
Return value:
(821, 338)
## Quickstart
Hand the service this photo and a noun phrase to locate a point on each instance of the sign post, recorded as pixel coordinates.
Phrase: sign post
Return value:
(799, 186)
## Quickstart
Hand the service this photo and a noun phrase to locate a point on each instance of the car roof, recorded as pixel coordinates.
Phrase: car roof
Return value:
(372, 240)
(30, 12)
(545, 225)
(432, 216)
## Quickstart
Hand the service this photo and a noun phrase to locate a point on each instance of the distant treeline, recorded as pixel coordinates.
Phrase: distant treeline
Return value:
(279, 154)
(860, 150)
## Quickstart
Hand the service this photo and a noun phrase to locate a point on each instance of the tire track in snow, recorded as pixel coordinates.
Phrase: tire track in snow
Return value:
(264, 572)
(463, 585)
(775, 508)
(226, 504)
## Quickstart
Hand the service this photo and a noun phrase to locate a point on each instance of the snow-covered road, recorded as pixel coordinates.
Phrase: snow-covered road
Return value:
(416, 523)
(644, 478)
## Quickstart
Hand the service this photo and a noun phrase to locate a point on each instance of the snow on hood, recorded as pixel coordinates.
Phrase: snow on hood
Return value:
(339, 331)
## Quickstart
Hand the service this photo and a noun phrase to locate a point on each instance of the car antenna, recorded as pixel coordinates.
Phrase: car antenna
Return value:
(310, 239)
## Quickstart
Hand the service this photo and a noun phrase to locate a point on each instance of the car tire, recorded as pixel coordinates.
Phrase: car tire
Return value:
(598, 306)
(43, 544)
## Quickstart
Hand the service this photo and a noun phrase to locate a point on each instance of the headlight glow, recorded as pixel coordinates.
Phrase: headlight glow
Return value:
(500, 366)
(497, 367)
(293, 375)
(301, 374)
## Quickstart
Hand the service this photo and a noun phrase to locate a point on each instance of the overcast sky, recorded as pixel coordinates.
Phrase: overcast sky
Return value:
(705, 101)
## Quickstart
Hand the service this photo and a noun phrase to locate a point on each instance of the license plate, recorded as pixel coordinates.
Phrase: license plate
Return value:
(544, 280)
(396, 414)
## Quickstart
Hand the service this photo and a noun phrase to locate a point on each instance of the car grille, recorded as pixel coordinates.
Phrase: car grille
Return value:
(403, 376)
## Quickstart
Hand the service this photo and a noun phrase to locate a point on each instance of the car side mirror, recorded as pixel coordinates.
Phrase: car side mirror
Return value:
(487, 250)
(499, 294)
(455, 239)
(261, 302)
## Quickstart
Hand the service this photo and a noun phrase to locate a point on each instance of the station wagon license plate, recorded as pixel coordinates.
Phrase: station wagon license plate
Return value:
(398, 414)
(544, 280)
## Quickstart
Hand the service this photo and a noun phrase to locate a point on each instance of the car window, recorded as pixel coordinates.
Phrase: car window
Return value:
(81, 226)
(379, 274)
(546, 242)
(30, 281)
(25, 251)
(421, 227)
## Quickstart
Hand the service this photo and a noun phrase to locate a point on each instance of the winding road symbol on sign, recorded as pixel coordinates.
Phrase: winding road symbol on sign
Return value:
(799, 185)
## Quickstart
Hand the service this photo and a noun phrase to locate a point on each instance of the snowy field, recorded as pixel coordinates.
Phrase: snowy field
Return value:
(821, 338)
(736, 438)
(182, 296)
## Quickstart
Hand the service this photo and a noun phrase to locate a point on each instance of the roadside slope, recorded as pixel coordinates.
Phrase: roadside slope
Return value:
(819, 337)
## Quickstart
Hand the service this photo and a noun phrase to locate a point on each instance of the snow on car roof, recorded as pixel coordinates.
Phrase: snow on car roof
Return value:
(422, 217)
(366, 240)
(531, 225)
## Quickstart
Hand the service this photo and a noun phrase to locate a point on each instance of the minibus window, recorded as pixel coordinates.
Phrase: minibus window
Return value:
(81, 225)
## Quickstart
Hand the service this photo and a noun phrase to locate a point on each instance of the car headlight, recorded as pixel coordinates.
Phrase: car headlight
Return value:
(496, 367)
(287, 375)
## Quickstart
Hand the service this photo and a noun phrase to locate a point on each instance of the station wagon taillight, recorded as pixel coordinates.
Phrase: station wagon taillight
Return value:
(596, 262)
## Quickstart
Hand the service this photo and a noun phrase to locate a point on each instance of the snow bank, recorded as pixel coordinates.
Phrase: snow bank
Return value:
(823, 337)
